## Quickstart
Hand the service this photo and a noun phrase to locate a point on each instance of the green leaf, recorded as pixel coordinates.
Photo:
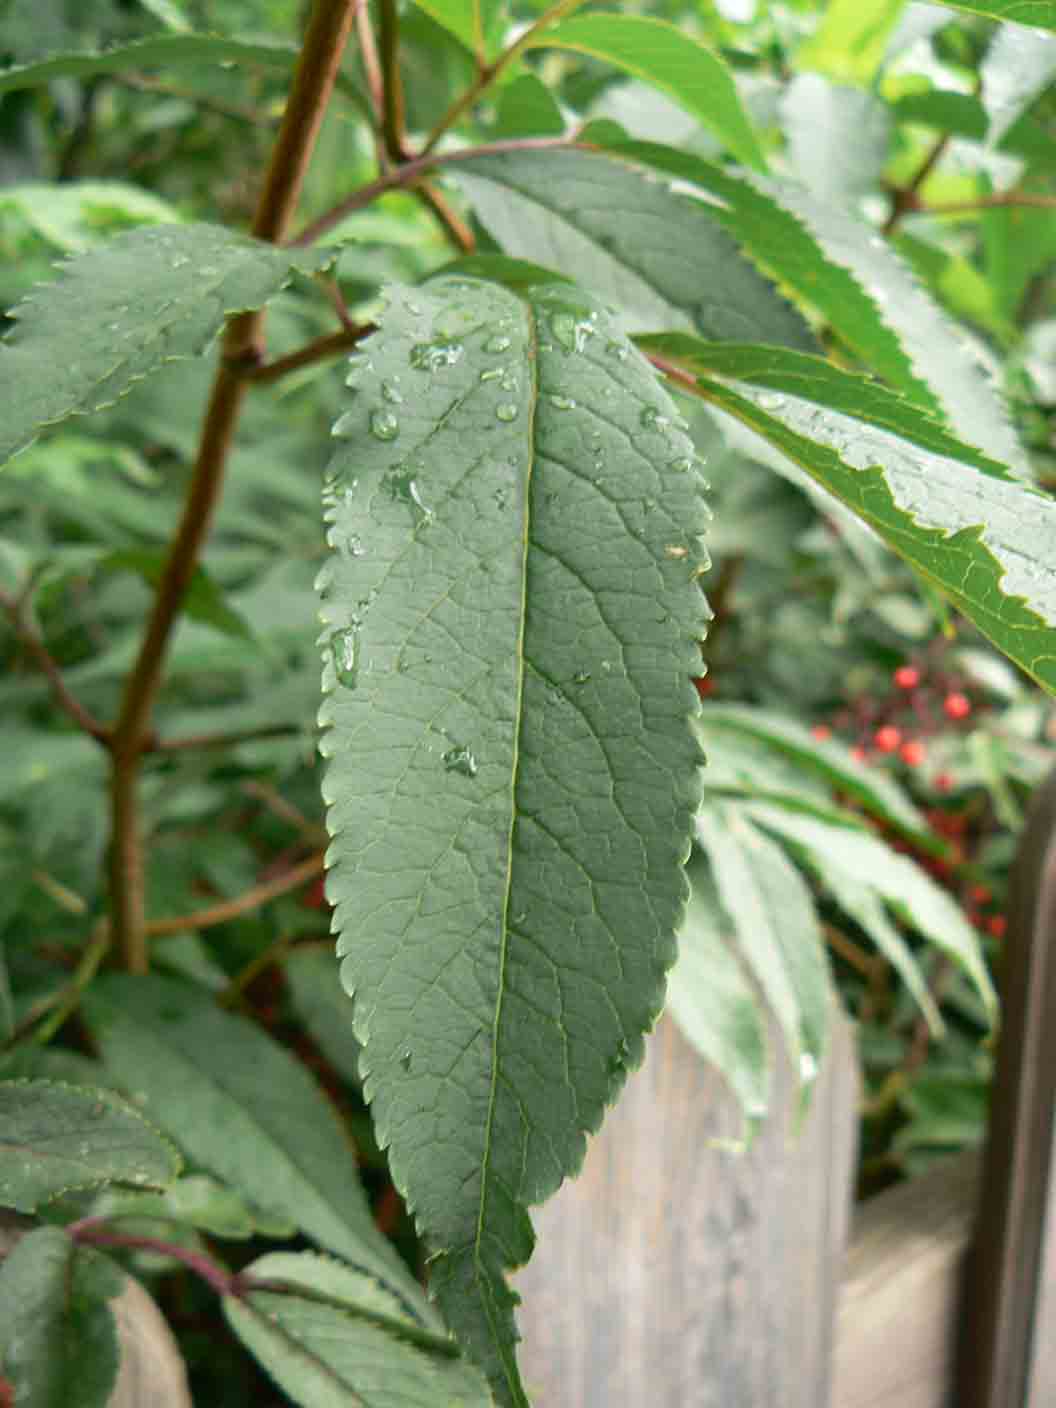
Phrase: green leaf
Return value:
(472, 22)
(159, 51)
(242, 1108)
(197, 1201)
(1031, 12)
(827, 758)
(333, 1338)
(323, 1007)
(1019, 64)
(654, 254)
(910, 891)
(843, 267)
(837, 137)
(204, 600)
(669, 59)
(57, 1138)
(982, 538)
(851, 41)
(78, 214)
(58, 1341)
(962, 115)
(712, 1000)
(772, 915)
(527, 108)
(512, 615)
(124, 309)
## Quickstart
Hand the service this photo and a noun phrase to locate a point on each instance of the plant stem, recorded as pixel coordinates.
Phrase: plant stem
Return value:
(490, 72)
(1035, 200)
(905, 199)
(317, 351)
(412, 171)
(45, 662)
(454, 227)
(392, 113)
(242, 904)
(93, 1232)
(368, 53)
(313, 83)
(193, 741)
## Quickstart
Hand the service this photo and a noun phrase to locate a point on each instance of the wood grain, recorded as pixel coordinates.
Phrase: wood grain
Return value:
(675, 1274)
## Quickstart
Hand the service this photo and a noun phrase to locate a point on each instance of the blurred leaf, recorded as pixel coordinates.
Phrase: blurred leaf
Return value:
(712, 1000)
(241, 1107)
(60, 1137)
(670, 60)
(527, 108)
(1019, 64)
(909, 890)
(837, 138)
(1030, 12)
(323, 1006)
(204, 600)
(81, 213)
(58, 1340)
(772, 914)
(334, 1337)
(124, 309)
(472, 22)
(852, 39)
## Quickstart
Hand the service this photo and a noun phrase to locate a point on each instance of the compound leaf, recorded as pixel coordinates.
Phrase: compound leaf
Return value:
(511, 615)
(59, 1137)
(123, 309)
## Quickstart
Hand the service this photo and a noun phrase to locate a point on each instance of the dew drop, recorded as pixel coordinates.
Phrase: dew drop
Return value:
(492, 374)
(344, 651)
(506, 412)
(619, 350)
(432, 356)
(651, 419)
(344, 425)
(498, 343)
(682, 465)
(403, 486)
(581, 677)
(770, 401)
(358, 363)
(508, 382)
(563, 403)
(384, 425)
(563, 326)
(391, 392)
(405, 1060)
(460, 759)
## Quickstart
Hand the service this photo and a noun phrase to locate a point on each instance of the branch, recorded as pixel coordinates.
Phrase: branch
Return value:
(193, 741)
(46, 663)
(93, 1232)
(392, 111)
(490, 72)
(232, 909)
(905, 199)
(1013, 199)
(368, 52)
(313, 83)
(317, 351)
(454, 227)
(411, 172)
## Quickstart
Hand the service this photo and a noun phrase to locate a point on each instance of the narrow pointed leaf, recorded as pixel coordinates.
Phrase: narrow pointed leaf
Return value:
(668, 59)
(1039, 13)
(711, 999)
(1019, 65)
(983, 539)
(841, 266)
(122, 310)
(332, 1338)
(772, 913)
(56, 1137)
(850, 43)
(470, 21)
(241, 1107)
(623, 234)
(58, 1340)
(511, 609)
(910, 891)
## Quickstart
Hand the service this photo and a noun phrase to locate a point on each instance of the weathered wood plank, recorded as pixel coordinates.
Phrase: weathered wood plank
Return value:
(897, 1326)
(675, 1274)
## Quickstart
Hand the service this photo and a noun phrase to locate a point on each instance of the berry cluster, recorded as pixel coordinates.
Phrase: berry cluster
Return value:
(897, 724)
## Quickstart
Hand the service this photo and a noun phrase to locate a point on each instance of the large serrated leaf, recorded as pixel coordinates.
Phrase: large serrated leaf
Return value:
(634, 242)
(985, 540)
(58, 1341)
(58, 1137)
(332, 1338)
(844, 268)
(1040, 13)
(512, 611)
(243, 1108)
(124, 309)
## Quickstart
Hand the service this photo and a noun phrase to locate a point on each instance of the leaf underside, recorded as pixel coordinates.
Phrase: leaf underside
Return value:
(511, 614)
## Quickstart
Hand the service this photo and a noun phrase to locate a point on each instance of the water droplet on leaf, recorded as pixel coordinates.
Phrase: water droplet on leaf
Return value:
(461, 760)
(563, 403)
(506, 412)
(498, 343)
(344, 651)
(391, 392)
(384, 425)
(432, 356)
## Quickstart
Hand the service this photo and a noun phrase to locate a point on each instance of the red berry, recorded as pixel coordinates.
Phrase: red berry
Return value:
(907, 677)
(957, 705)
(942, 782)
(997, 924)
(821, 732)
(704, 685)
(887, 739)
(912, 753)
(980, 894)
